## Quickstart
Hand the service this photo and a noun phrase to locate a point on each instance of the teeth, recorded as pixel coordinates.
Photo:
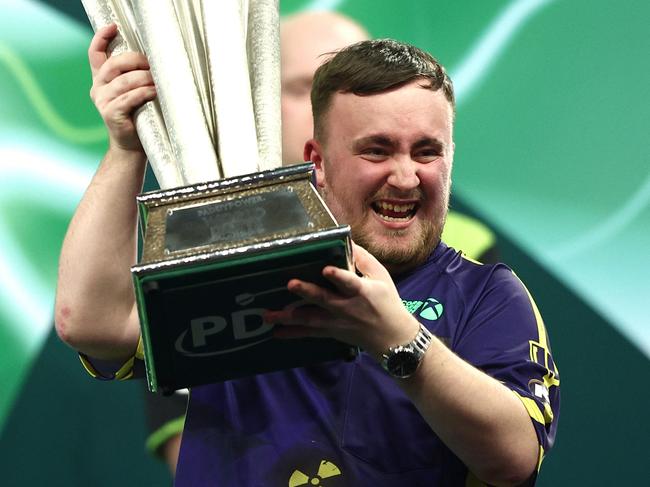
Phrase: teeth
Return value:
(393, 219)
(397, 208)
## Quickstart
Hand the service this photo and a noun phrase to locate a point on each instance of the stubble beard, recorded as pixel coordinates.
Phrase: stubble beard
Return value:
(401, 257)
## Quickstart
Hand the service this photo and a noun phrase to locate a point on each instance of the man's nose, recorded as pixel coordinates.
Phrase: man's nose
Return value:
(404, 174)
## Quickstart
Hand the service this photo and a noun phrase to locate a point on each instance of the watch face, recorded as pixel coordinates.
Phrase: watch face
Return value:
(402, 363)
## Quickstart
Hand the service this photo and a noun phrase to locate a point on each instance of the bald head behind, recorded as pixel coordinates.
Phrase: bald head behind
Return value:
(304, 38)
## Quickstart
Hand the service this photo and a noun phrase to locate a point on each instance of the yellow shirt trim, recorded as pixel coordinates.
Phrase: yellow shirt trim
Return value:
(467, 234)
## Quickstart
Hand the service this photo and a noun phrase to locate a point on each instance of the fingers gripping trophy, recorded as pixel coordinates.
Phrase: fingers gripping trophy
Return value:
(228, 221)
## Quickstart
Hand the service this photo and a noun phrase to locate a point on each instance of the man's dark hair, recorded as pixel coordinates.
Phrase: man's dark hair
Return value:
(371, 67)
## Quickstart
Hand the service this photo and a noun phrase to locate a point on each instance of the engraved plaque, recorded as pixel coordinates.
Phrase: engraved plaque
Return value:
(236, 219)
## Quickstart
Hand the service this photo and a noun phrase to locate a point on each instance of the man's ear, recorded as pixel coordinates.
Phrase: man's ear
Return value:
(314, 152)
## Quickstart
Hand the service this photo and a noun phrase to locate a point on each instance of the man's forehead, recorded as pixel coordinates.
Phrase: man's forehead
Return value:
(403, 116)
(401, 99)
(304, 39)
(302, 66)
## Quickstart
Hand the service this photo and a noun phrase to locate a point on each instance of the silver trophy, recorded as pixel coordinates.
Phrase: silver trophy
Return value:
(229, 227)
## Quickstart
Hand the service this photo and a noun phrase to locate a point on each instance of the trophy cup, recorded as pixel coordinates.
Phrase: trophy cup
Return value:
(230, 227)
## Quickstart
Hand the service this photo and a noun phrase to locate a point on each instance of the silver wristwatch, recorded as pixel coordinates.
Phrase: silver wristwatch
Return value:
(402, 361)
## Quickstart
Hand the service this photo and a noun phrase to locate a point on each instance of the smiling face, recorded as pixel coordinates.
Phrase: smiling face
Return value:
(383, 167)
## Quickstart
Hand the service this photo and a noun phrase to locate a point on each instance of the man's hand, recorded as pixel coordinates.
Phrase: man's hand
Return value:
(365, 311)
(121, 84)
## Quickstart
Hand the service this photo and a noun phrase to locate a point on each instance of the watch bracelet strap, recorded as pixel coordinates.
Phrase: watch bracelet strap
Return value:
(422, 340)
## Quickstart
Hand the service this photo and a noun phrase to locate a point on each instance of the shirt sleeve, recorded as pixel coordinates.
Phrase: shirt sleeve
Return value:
(505, 336)
(133, 367)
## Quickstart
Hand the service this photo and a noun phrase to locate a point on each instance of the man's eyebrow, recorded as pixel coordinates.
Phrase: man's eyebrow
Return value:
(380, 140)
(429, 142)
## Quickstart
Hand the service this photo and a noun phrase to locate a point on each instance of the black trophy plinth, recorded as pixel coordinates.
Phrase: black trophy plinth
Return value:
(216, 255)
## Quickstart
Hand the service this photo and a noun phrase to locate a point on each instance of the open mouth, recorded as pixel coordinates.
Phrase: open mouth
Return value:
(394, 212)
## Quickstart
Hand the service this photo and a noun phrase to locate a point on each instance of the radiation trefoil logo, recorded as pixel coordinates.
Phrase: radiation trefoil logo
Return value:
(325, 470)
(430, 310)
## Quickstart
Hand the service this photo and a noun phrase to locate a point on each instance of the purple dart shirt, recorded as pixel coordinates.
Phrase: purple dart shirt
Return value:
(348, 423)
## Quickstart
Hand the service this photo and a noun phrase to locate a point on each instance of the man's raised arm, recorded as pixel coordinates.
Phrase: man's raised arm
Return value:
(95, 309)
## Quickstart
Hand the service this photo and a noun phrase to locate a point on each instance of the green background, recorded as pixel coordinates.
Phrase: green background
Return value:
(552, 152)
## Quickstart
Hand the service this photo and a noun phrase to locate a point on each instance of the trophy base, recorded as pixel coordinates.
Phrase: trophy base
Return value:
(201, 309)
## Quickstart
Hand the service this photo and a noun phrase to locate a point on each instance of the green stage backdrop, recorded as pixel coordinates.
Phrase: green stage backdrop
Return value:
(552, 152)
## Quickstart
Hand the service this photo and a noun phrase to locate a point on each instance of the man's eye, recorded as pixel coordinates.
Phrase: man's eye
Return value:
(296, 91)
(376, 151)
(297, 88)
(427, 155)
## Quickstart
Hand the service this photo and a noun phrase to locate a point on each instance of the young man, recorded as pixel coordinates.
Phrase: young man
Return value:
(471, 394)
(305, 39)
